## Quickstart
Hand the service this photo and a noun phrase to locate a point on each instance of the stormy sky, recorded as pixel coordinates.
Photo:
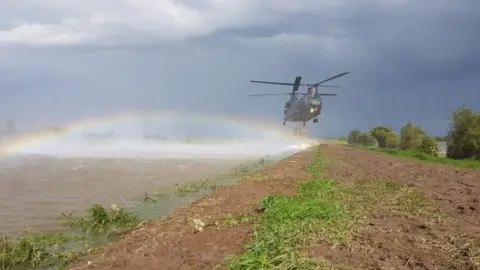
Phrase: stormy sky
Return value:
(410, 60)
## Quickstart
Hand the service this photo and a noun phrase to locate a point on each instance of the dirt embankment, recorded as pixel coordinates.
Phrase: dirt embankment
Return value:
(448, 239)
(386, 238)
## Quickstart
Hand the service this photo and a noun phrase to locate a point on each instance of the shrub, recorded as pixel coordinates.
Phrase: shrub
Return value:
(393, 142)
(429, 146)
(361, 138)
(367, 139)
(463, 139)
(411, 137)
(382, 134)
(354, 136)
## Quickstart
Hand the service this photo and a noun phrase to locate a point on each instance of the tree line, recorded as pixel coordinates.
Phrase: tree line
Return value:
(463, 137)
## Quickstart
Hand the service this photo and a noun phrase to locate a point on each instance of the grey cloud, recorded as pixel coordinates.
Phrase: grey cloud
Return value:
(412, 62)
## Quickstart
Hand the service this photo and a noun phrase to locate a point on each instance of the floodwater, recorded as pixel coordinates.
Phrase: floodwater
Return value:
(36, 188)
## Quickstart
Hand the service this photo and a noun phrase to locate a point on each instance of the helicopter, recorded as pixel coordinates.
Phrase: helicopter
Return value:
(302, 107)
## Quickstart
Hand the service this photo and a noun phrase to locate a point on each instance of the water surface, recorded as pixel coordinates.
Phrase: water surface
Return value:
(34, 190)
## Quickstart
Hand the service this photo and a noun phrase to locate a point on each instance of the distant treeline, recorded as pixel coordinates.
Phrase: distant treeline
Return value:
(463, 138)
(441, 138)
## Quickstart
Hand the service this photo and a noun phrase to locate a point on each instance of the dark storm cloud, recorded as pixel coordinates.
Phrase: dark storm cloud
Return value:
(409, 61)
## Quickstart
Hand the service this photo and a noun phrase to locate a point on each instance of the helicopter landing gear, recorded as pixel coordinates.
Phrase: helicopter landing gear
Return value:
(315, 120)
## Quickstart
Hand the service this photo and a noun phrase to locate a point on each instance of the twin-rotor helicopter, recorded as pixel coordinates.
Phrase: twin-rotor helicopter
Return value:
(302, 107)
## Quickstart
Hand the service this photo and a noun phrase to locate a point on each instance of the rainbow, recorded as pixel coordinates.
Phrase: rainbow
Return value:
(38, 138)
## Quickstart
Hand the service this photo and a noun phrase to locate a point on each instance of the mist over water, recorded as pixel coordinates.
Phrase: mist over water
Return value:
(153, 136)
(115, 159)
(145, 149)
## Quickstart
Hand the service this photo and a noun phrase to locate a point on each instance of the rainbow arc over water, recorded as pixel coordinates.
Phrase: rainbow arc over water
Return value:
(172, 125)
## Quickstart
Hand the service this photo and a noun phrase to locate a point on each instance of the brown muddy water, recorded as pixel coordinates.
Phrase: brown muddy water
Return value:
(35, 190)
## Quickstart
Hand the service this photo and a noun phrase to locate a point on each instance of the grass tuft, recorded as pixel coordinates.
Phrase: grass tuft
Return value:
(323, 211)
(287, 224)
(30, 251)
(101, 219)
(58, 250)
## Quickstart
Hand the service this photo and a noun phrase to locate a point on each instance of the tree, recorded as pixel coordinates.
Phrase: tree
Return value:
(393, 142)
(382, 134)
(463, 139)
(367, 139)
(429, 146)
(411, 137)
(354, 136)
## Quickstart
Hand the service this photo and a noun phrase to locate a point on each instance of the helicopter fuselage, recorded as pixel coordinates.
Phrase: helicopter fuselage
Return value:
(302, 109)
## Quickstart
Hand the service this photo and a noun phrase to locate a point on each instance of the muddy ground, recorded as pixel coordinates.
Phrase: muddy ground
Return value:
(387, 241)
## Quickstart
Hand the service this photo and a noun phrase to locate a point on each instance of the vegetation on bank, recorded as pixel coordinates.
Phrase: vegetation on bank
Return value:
(323, 211)
(86, 235)
(31, 251)
(463, 141)
(461, 163)
(205, 184)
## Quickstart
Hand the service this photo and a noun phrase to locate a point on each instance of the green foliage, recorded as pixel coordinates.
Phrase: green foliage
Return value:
(101, 219)
(411, 137)
(429, 146)
(323, 210)
(465, 163)
(289, 223)
(354, 136)
(392, 142)
(343, 139)
(361, 138)
(382, 134)
(367, 139)
(463, 140)
(211, 184)
(464, 135)
(31, 251)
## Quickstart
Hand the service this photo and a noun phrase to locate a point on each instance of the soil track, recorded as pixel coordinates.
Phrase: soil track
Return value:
(456, 190)
(392, 241)
(389, 241)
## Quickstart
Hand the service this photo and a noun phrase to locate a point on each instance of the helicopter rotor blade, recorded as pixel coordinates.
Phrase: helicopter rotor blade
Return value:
(269, 82)
(331, 78)
(286, 94)
(278, 94)
(338, 86)
(323, 85)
